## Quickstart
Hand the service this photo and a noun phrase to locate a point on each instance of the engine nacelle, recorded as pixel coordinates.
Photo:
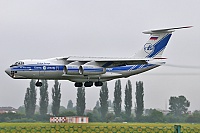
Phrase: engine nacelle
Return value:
(91, 70)
(71, 69)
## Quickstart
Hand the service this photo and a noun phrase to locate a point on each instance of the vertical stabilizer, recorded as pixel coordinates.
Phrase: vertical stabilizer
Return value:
(157, 43)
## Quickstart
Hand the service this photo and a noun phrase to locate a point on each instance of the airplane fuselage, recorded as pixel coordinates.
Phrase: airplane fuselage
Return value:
(53, 69)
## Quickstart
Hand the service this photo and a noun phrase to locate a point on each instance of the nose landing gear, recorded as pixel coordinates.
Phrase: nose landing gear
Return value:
(38, 83)
(12, 74)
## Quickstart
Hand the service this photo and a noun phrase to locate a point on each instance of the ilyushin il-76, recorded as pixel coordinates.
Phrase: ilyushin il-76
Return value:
(89, 71)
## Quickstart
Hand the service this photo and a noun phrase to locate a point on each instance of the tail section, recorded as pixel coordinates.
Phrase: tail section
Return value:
(157, 43)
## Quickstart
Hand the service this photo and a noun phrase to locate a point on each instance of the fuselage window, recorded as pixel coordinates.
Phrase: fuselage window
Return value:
(17, 63)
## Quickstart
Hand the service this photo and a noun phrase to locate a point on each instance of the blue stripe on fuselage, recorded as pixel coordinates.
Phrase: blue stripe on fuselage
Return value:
(37, 68)
(128, 68)
(93, 69)
(60, 68)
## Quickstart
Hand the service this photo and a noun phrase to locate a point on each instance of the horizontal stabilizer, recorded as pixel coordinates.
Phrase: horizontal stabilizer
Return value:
(167, 30)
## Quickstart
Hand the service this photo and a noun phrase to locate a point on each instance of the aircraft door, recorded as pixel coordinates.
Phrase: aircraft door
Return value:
(58, 73)
(42, 71)
(57, 68)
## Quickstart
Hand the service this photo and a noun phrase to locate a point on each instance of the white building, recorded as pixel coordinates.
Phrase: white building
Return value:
(71, 119)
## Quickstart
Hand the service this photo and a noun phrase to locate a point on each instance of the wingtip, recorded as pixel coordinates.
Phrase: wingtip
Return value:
(182, 27)
(189, 26)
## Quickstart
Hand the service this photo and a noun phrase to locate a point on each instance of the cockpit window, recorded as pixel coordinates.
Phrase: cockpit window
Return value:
(18, 63)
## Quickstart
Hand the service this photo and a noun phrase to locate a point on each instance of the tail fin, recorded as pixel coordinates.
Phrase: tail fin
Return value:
(157, 43)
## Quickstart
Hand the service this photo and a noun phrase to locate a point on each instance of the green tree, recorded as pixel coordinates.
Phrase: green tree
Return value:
(80, 101)
(128, 100)
(139, 100)
(104, 100)
(178, 105)
(44, 98)
(109, 117)
(155, 116)
(96, 116)
(117, 98)
(194, 118)
(62, 109)
(110, 103)
(21, 110)
(67, 113)
(97, 105)
(30, 99)
(56, 96)
(70, 105)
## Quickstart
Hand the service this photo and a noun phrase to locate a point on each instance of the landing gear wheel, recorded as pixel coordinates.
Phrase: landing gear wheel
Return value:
(88, 84)
(99, 83)
(12, 74)
(38, 84)
(78, 84)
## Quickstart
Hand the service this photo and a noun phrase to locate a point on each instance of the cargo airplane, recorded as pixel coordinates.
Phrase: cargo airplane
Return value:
(86, 71)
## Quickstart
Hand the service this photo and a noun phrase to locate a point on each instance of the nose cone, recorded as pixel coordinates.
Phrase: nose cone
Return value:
(8, 71)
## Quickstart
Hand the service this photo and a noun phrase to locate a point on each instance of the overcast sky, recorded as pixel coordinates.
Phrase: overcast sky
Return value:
(39, 29)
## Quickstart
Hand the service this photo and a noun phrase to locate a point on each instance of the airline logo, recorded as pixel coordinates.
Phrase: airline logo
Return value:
(148, 48)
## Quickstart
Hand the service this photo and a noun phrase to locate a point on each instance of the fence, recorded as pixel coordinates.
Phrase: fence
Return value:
(96, 129)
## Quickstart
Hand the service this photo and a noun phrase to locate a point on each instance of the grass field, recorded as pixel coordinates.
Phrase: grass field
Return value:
(97, 127)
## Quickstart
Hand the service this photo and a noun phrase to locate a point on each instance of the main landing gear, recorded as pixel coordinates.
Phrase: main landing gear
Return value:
(78, 84)
(88, 84)
(99, 83)
(38, 83)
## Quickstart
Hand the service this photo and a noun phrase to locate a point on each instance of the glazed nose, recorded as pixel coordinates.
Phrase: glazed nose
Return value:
(8, 71)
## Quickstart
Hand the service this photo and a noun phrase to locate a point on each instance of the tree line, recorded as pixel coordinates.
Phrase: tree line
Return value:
(105, 110)
(31, 94)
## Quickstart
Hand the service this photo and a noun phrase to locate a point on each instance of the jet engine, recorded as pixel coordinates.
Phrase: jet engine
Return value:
(91, 70)
(71, 69)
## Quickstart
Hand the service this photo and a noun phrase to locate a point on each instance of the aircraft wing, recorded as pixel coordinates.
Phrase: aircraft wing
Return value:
(107, 62)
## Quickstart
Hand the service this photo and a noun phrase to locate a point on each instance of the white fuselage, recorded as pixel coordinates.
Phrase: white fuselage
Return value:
(53, 69)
